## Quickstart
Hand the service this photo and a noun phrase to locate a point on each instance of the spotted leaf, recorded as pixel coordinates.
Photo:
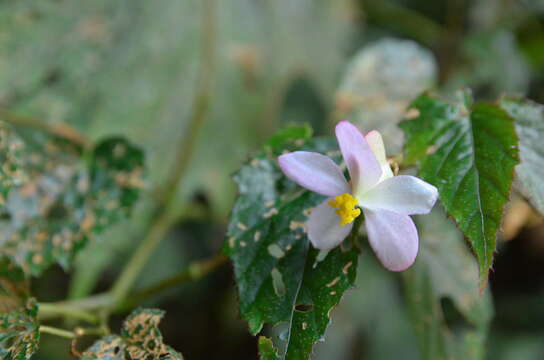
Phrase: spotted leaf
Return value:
(65, 201)
(275, 266)
(19, 328)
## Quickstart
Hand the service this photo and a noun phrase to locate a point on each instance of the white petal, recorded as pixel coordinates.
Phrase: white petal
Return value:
(364, 169)
(402, 194)
(324, 228)
(314, 172)
(393, 237)
(375, 141)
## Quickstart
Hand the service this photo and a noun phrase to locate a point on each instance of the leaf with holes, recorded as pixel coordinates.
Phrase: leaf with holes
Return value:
(468, 152)
(276, 271)
(140, 339)
(529, 117)
(64, 202)
(450, 317)
(19, 328)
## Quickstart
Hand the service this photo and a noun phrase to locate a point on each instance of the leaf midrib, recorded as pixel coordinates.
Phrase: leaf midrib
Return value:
(477, 181)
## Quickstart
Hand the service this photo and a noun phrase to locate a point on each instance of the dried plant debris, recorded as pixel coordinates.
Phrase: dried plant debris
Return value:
(140, 339)
(19, 328)
(64, 201)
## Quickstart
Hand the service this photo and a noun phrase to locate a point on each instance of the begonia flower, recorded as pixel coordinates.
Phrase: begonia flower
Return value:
(387, 201)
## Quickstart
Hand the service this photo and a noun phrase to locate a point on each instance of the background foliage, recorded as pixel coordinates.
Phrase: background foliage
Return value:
(93, 93)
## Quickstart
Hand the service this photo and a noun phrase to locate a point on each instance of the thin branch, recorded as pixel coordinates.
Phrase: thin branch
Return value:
(195, 271)
(51, 310)
(93, 302)
(57, 332)
(60, 130)
(139, 259)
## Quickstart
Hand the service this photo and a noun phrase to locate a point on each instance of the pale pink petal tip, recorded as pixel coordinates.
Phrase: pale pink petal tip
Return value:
(393, 237)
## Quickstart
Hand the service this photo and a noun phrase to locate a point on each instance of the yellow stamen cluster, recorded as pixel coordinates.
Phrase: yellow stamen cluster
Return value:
(346, 208)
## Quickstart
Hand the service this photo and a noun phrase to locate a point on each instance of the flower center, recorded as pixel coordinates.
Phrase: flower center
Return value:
(346, 208)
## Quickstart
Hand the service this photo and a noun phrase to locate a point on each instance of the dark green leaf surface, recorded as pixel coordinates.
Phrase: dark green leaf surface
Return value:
(63, 202)
(529, 117)
(450, 317)
(273, 260)
(19, 328)
(140, 339)
(469, 154)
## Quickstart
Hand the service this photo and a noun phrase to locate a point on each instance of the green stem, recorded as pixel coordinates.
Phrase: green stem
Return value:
(195, 271)
(74, 308)
(48, 311)
(60, 130)
(139, 259)
(96, 331)
(57, 332)
(93, 302)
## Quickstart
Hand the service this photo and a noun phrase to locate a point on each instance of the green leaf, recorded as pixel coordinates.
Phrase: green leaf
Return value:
(12, 160)
(19, 328)
(273, 262)
(267, 350)
(290, 133)
(469, 154)
(529, 117)
(140, 339)
(451, 318)
(63, 202)
(116, 179)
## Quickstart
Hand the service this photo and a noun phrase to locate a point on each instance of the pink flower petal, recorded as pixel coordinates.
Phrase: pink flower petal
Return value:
(324, 228)
(402, 194)
(393, 237)
(364, 169)
(314, 172)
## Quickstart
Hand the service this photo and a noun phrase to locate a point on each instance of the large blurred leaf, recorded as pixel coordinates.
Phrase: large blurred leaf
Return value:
(450, 316)
(140, 339)
(19, 328)
(63, 202)
(276, 271)
(529, 118)
(468, 152)
(111, 67)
